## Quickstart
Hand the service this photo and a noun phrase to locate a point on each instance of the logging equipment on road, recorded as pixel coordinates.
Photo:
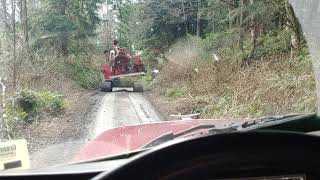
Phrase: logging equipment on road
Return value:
(122, 70)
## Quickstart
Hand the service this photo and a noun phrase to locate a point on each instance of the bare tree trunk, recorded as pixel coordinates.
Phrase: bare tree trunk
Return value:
(63, 35)
(3, 131)
(15, 68)
(293, 22)
(25, 21)
(22, 4)
(184, 18)
(229, 17)
(213, 27)
(253, 32)
(107, 23)
(5, 20)
(241, 26)
(19, 5)
(199, 19)
(19, 8)
(5, 14)
(108, 27)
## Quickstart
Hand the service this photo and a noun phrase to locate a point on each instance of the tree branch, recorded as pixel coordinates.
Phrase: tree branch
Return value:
(229, 3)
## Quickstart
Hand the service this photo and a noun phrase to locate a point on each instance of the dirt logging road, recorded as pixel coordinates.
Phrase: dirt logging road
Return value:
(121, 109)
(104, 111)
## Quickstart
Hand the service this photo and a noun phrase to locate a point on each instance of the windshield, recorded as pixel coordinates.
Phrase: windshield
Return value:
(81, 80)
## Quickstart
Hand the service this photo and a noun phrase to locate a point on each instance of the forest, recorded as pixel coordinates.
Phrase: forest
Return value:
(219, 58)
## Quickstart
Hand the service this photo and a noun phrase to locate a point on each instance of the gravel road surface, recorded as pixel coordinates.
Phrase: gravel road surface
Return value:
(121, 109)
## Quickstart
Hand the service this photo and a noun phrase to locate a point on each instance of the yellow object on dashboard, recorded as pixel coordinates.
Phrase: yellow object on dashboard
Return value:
(14, 155)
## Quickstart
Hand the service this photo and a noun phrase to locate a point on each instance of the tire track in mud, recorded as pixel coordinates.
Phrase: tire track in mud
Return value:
(143, 108)
(124, 112)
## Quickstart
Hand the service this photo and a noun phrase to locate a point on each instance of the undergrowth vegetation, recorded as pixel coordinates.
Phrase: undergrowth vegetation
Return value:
(43, 87)
(271, 85)
(34, 103)
(28, 106)
(86, 75)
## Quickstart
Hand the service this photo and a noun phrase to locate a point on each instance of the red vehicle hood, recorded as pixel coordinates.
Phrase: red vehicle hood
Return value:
(130, 138)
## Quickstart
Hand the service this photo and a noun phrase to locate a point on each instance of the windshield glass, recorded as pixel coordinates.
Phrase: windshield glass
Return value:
(81, 80)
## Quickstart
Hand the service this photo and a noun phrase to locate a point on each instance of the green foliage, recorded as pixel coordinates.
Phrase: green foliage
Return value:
(215, 41)
(147, 80)
(86, 76)
(32, 103)
(27, 107)
(153, 24)
(175, 92)
(64, 23)
(15, 113)
(215, 13)
(273, 43)
(158, 24)
(303, 54)
(12, 117)
(49, 102)
(226, 43)
(225, 107)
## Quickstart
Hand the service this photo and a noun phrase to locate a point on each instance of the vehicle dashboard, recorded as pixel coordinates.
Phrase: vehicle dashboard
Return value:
(273, 155)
